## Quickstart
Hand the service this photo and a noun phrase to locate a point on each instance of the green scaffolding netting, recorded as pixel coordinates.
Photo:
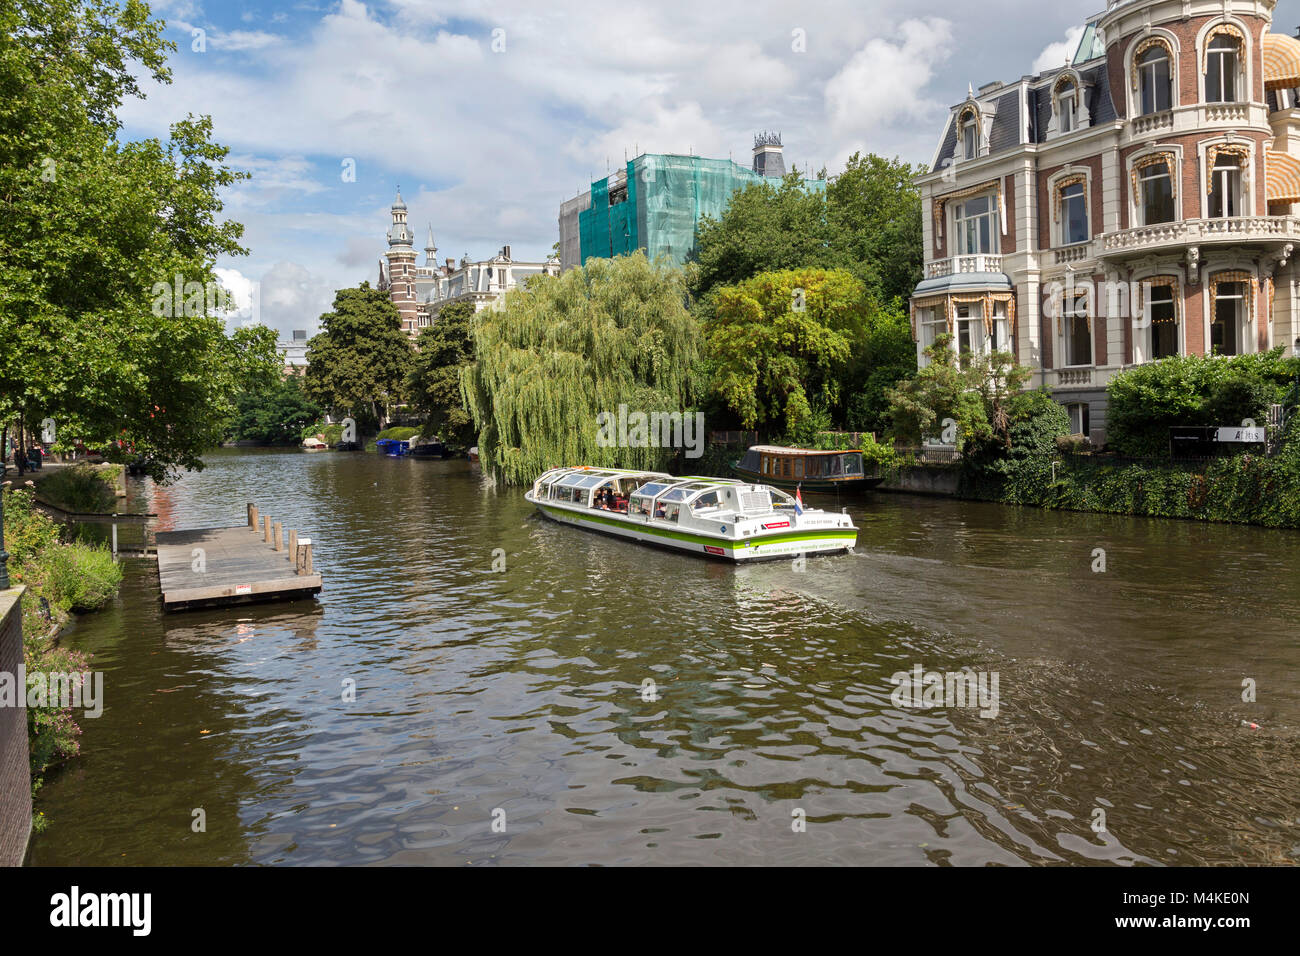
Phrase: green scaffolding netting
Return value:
(656, 203)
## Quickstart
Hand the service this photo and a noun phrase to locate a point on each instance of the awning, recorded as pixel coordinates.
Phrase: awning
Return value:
(1281, 62)
(1281, 176)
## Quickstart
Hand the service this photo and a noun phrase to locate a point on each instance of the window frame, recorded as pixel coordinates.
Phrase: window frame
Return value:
(1145, 176)
(1082, 196)
(1070, 317)
(960, 219)
(1229, 164)
(1150, 60)
(1235, 77)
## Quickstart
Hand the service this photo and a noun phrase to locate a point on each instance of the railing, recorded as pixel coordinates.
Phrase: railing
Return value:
(1074, 376)
(1227, 112)
(980, 262)
(1233, 228)
(1072, 253)
(1153, 122)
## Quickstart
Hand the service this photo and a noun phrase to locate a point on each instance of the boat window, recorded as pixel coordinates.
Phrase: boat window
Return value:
(813, 467)
(798, 467)
(780, 498)
(837, 465)
(853, 463)
(638, 505)
(707, 500)
(653, 488)
(670, 512)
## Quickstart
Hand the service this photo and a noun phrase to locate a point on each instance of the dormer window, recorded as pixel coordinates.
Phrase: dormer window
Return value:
(969, 137)
(1221, 66)
(1155, 93)
(1066, 100)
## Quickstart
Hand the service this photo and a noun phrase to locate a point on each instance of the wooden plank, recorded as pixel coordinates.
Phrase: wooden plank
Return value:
(207, 567)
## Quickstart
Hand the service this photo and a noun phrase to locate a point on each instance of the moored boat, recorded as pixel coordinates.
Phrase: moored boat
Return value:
(713, 517)
(429, 449)
(812, 468)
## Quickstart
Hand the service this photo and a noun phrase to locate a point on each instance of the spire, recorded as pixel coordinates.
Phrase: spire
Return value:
(399, 234)
(431, 249)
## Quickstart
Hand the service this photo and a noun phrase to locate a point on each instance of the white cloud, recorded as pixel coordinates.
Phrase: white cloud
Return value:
(1056, 55)
(243, 40)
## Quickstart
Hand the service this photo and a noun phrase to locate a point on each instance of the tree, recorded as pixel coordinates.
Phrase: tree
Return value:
(90, 227)
(359, 361)
(275, 415)
(779, 344)
(874, 214)
(568, 348)
(442, 350)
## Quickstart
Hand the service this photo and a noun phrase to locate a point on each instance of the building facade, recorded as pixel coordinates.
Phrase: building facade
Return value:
(656, 201)
(420, 292)
(1138, 202)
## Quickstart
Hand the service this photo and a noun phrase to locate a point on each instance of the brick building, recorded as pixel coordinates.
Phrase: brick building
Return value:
(1137, 202)
(420, 292)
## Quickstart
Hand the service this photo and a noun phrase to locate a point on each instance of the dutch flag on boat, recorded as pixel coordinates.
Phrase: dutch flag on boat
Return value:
(798, 500)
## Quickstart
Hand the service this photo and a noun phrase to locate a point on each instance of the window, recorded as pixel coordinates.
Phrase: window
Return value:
(977, 220)
(1163, 322)
(1074, 214)
(1065, 103)
(969, 137)
(1221, 70)
(998, 341)
(798, 467)
(1078, 412)
(1225, 186)
(1155, 93)
(931, 323)
(1077, 332)
(1226, 322)
(1155, 194)
(969, 322)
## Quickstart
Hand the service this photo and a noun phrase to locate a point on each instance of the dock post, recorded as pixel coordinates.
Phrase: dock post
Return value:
(304, 556)
(267, 520)
(278, 534)
(115, 539)
(249, 508)
(293, 545)
(252, 518)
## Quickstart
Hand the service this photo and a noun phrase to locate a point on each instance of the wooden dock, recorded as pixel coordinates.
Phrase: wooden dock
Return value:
(217, 567)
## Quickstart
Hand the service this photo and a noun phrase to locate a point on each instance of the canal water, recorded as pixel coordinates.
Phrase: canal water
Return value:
(599, 702)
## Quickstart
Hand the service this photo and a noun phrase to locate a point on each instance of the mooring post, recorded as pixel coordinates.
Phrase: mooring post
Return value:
(293, 546)
(252, 518)
(267, 520)
(304, 556)
(279, 536)
(115, 539)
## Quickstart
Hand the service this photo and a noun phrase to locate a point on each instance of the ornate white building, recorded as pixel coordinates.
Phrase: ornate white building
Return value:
(420, 292)
(1137, 202)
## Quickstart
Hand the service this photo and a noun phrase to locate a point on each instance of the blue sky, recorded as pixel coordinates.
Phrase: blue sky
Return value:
(489, 115)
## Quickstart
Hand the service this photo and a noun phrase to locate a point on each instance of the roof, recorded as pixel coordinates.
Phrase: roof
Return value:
(783, 450)
(962, 282)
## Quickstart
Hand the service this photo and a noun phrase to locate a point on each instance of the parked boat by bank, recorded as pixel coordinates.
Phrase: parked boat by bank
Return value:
(429, 449)
(812, 468)
(314, 444)
(714, 517)
(392, 447)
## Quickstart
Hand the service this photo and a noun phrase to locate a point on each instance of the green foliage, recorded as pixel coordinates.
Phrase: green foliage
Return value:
(778, 359)
(27, 531)
(1019, 472)
(82, 487)
(398, 432)
(886, 358)
(360, 359)
(443, 350)
(1189, 390)
(81, 577)
(277, 414)
(567, 348)
(868, 222)
(330, 434)
(89, 224)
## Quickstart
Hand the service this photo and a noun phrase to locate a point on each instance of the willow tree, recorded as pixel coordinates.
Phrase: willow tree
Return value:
(558, 353)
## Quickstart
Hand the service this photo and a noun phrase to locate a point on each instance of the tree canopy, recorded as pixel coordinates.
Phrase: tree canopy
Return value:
(360, 360)
(559, 353)
(90, 226)
(442, 350)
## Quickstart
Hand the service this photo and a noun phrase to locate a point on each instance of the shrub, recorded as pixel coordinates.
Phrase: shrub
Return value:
(83, 577)
(83, 487)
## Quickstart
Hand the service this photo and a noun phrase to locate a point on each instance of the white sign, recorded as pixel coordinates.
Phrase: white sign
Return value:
(1238, 433)
(243, 589)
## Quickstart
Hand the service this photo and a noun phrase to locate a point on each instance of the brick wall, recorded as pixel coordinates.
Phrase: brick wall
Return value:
(1046, 224)
(15, 775)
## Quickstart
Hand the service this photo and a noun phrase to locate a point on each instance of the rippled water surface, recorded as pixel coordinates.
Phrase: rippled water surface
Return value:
(519, 695)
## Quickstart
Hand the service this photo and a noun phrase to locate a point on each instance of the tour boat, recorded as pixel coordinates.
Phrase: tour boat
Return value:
(811, 468)
(713, 517)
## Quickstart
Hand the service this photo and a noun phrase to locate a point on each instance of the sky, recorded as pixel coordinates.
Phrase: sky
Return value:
(488, 116)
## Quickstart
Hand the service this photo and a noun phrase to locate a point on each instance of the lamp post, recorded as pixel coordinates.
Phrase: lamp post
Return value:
(4, 555)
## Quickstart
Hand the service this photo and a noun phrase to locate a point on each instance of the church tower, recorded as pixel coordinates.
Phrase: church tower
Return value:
(401, 266)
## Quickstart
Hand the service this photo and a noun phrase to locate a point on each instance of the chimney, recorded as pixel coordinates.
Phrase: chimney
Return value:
(769, 160)
(505, 251)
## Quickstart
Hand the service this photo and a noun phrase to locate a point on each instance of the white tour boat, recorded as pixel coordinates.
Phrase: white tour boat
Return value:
(718, 517)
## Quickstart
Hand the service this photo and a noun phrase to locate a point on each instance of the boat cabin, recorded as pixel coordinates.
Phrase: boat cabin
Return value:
(647, 495)
(777, 463)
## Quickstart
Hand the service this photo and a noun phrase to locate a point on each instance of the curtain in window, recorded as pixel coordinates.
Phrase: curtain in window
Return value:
(1235, 276)
(929, 302)
(1222, 30)
(1213, 152)
(939, 203)
(1061, 186)
(1167, 158)
(1161, 282)
(1145, 45)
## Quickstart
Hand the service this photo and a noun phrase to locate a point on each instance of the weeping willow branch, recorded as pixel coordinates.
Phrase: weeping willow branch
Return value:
(567, 348)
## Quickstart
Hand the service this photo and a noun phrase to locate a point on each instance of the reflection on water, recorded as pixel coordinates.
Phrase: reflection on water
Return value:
(522, 691)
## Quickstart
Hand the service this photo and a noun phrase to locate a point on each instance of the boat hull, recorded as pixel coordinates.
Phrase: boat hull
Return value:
(810, 484)
(784, 544)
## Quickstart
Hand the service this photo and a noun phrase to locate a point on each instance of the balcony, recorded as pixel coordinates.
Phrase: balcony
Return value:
(1195, 232)
(1153, 123)
(1075, 253)
(981, 262)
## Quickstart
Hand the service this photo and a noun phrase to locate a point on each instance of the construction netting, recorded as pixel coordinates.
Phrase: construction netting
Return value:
(656, 203)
